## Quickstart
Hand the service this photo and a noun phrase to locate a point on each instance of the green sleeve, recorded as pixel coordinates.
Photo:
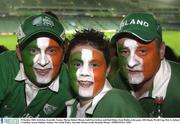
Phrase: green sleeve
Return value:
(7, 71)
(119, 103)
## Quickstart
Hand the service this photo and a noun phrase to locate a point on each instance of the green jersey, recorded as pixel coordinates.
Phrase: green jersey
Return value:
(12, 93)
(115, 103)
(170, 106)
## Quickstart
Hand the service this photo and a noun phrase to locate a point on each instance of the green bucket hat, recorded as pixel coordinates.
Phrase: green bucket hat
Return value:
(42, 25)
(141, 25)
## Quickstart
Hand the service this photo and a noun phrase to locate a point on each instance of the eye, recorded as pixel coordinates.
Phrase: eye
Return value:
(77, 64)
(124, 52)
(92, 65)
(51, 51)
(142, 52)
(34, 51)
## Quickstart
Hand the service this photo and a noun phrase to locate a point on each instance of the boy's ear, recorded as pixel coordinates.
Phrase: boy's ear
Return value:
(18, 53)
(108, 70)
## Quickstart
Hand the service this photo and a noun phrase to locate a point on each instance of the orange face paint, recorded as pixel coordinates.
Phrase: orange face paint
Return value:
(56, 54)
(99, 71)
(143, 60)
(88, 69)
(42, 60)
(151, 59)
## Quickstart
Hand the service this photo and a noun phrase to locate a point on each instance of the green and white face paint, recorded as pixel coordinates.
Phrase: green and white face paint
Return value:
(84, 77)
(40, 59)
(135, 63)
(88, 69)
(143, 59)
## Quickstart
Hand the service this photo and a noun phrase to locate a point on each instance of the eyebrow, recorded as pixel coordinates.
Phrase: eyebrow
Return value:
(95, 60)
(139, 47)
(75, 57)
(32, 47)
(53, 45)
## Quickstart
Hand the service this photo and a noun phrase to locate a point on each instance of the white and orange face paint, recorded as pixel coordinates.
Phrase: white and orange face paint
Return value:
(42, 60)
(88, 69)
(143, 60)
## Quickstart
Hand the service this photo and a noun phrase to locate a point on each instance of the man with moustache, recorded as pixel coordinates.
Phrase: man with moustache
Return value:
(88, 66)
(143, 69)
(35, 83)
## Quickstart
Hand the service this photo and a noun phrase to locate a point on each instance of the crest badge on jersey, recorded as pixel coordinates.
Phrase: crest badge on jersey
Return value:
(49, 109)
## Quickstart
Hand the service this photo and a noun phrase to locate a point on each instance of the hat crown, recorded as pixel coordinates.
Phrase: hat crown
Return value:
(142, 25)
(139, 22)
(145, 20)
(43, 25)
(43, 21)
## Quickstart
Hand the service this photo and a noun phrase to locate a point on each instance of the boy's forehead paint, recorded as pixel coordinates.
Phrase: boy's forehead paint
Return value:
(86, 55)
(76, 55)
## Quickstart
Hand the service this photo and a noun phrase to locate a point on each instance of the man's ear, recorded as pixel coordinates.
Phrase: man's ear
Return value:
(18, 53)
(162, 50)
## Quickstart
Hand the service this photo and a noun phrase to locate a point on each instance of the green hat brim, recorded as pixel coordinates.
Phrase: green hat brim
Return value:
(142, 35)
(39, 33)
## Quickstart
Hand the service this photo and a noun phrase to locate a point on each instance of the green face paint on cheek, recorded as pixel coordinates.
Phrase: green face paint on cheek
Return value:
(27, 59)
(122, 61)
(74, 61)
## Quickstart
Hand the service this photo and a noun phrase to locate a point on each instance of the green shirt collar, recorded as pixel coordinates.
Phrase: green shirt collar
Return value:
(107, 87)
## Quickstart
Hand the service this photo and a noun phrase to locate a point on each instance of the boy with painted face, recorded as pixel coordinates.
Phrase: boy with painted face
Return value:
(35, 83)
(88, 60)
(145, 72)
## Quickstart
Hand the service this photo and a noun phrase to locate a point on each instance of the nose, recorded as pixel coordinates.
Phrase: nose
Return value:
(85, 71)
(132, 61)
(43, 60)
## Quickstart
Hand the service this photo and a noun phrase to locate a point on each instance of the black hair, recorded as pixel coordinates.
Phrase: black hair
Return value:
(3, 48)
(170, 54)
(93, 38)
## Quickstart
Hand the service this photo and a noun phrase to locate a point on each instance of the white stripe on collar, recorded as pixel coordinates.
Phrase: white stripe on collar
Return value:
(161, 80)
(107, 87)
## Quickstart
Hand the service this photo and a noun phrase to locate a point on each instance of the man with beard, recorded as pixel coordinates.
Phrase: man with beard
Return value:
(143, 69)
(88, 65)
(35, 83)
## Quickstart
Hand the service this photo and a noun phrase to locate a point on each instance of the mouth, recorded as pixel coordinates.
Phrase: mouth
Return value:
(85, 84)
(42, 72)
(134, 71)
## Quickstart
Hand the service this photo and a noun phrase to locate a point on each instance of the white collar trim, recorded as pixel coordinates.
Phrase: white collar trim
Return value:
(160, 82)
(107, 87)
